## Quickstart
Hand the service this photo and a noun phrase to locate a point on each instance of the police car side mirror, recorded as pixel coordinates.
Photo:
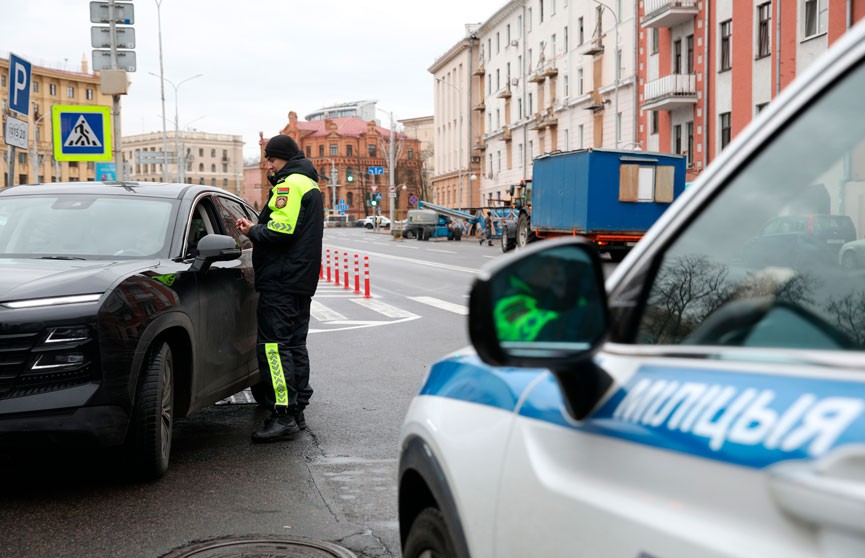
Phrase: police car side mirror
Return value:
(545, 306)
(215, 248)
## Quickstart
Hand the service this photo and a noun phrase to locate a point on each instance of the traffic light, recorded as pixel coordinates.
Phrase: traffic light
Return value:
(373, 202)
(349, 176)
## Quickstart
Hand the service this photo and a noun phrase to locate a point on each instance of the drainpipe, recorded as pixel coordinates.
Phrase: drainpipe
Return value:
(470, 113)
(707, 67)
(849, 13)
(526, 155)
(636, 74)
(777, 48)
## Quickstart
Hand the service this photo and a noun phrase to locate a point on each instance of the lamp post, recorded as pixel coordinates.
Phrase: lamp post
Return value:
(162, 93)
(391, 170)
(459, 145)
(181, 162)
(617, 70)
(332, 185)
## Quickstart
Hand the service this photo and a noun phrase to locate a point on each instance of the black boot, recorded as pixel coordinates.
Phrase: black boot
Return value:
(300, 420)
(276, 428)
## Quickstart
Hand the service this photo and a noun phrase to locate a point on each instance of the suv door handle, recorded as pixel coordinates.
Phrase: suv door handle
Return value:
(829, 492)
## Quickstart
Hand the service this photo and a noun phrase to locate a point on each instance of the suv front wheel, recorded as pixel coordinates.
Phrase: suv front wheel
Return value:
(429, 536)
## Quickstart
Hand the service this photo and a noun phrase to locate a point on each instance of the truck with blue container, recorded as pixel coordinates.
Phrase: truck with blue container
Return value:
(611, 197)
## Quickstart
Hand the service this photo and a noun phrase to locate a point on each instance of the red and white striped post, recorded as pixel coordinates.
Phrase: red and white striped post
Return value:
(328, 264)
(336, 267)
(356, 275)
(345, 270)
(366, 276)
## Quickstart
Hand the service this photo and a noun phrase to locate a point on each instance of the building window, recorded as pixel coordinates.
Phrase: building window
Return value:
(200, 167)
(677, 139)
(35, 85)
(677, 56)
(334, 150)
(619, 126)
(213, 153)
(348, 151)
(580, 129)
(815, 17)
(212, 168)
(656, 39)
(764, 16)
(498, 43)
(371, 150)
(567, 86)
(689, 54)
(224, 167)
(201, 152)
(410, 153)
(224, 182)
(88, 94)
(725, 129)
(308, 152)
(653, 127)
(567, 39)
(321, 151)
(52, 89)
(213, 182)
(579, 81)
(726, 36)
(541, 10)
(529, 18)
(581, 32)
(689, 137)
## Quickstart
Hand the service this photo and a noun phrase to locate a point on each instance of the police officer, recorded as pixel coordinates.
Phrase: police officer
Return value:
(286, 257)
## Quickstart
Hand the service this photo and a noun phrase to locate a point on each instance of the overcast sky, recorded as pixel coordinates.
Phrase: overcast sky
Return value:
(259, 59)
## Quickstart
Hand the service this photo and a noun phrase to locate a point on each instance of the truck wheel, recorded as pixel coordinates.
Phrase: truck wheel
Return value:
(458, 234)
(149, 440)
(507, 242)
(524, 232)
(409, 234)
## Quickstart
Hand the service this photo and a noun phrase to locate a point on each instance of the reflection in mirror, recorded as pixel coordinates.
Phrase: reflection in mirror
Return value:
(548, 300)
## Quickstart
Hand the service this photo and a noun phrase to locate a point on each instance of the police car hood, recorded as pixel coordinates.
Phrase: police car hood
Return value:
(22, 278)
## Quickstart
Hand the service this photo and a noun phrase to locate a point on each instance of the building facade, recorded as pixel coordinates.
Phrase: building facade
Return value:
(708, 68)
(49, 87)
(423, 130)
(365, 110)
(674, 76)
(343, 150)
(252, 185)
(205, 158)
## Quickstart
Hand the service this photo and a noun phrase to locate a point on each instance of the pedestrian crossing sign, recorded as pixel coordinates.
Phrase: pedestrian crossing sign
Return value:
(81, 133)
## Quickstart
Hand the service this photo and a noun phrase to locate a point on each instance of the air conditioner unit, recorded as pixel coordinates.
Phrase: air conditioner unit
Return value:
(515, 81)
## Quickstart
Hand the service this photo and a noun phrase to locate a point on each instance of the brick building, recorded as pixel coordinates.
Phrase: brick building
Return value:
(342, 150)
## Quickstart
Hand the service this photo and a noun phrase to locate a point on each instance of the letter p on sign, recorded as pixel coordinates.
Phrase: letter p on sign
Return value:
(19, 85)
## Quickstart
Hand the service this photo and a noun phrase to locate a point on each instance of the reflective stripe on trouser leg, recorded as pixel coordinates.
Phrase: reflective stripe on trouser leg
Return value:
(277, 378)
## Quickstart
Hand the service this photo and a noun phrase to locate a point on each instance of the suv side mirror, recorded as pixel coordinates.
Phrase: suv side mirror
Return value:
(215, 248)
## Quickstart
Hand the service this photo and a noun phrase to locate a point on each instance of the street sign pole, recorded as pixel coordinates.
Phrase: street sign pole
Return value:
(16, 131)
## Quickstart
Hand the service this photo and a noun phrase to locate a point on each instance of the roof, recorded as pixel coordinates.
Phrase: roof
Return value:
(345, 126)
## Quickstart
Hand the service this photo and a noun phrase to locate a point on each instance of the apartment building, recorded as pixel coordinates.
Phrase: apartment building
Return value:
(708, 68)
(205, 158)
(50, 86)
(673, 76)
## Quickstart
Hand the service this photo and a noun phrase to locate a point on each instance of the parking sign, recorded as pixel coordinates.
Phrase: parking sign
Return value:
(19, 85)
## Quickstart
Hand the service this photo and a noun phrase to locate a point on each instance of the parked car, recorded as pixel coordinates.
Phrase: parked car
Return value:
(801, 240)
(852, 254)
(691, 404)
(122, 307)
(370, 222)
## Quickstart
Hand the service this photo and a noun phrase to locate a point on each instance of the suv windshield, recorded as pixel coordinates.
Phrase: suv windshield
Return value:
(785, 216)
(84, 226)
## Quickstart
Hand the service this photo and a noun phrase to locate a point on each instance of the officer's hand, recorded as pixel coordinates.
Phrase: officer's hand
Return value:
(243, 225)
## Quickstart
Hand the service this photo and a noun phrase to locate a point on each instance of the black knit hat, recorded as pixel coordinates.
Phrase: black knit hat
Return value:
(281, 147)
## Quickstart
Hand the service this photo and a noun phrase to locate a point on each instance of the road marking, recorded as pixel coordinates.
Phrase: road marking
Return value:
(411, 260)
(324, 314)
(384, 308)
(443, 304)
(407, 247)
(491, 257)
(442, 251)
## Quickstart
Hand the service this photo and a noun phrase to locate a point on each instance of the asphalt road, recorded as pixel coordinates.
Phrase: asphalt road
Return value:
(336, 482)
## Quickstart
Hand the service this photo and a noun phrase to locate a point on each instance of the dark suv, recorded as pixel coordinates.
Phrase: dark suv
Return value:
(800, 240)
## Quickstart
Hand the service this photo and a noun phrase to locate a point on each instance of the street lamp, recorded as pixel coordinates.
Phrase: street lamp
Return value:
(459, 145)
(391, 170)
(162, 94)
(181, 160)
(332, 185)
(617, 70)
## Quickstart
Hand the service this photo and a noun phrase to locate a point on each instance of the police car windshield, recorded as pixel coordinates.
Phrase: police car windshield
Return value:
(84, 226)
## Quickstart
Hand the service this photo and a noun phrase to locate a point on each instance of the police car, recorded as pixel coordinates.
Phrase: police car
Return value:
(701, 404)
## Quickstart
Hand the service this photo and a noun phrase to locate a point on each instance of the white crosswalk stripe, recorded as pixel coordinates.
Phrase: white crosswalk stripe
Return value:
(384, 308)
(322, 313)
(442, 304)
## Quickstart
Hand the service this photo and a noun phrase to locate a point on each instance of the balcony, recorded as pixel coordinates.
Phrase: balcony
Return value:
(668, 13)
(506, 135)
(671, 92)
(593, 47)
(505, 93)
(480, 106)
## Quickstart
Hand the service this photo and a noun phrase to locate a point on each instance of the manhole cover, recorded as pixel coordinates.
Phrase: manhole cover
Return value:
(261, 547)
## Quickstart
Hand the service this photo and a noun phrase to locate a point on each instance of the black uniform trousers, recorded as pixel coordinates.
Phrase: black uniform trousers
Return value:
(283, 361)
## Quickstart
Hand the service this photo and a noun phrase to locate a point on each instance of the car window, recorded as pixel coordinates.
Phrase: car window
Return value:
(725, 281)
(85, 226)
(229, 212)
(200, 225)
